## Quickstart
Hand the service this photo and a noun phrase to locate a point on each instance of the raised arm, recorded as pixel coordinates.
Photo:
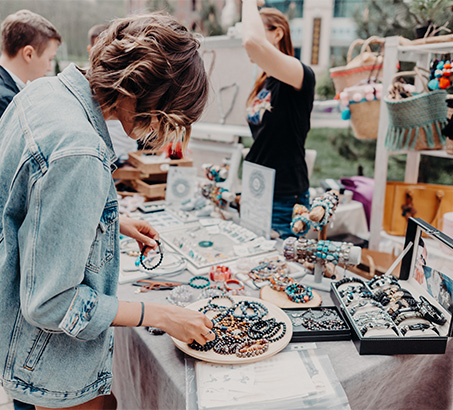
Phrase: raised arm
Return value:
(262, 46)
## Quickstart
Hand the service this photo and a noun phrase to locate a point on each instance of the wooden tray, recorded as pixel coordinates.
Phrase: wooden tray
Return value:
(136, 159)
(213, 357)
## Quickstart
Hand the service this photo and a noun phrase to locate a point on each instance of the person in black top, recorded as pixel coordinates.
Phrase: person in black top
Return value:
(278, 108)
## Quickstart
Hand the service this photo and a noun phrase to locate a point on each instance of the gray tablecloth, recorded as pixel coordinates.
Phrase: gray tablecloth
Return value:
(149, 371)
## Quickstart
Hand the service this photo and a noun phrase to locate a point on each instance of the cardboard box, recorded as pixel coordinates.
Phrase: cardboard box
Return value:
(427, 274)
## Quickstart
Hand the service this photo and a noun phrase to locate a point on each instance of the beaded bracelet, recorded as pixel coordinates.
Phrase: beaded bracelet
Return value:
(142, 256)
(362, 304)
(379, 281)
(378, 325)
(348, 279)
(329, 201)
(306, 225)
(280, 282)
(250, 348)
(201, 285)
(298, 293)
(419, 326)
(236, 289)
(409, 315)
(220, 273)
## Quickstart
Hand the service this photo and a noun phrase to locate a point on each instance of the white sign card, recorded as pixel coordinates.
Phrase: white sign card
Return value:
(257, 198)
(181, 184)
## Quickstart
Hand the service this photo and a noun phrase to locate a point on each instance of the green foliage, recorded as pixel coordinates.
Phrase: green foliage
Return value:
(437, 12)
(340, 154)
(385, 18)
(209, 19)
(325, 89)
(160, 5)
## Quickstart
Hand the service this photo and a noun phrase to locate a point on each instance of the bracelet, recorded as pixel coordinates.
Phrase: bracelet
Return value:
(280, 282)
(363, 303)
(142, 257)
(234, 290)
(298, 293)
(378, 325)
(348, 279)
(379, 281)
(329, 202)
(404, 316)
(305, 221)
(142, 315)
(201, 285)
(430, 312)
(419, 326)
(220, 273)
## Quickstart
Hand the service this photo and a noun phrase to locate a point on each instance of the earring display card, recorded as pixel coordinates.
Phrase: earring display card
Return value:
(318, 324)
(408, 315)
(204, 246)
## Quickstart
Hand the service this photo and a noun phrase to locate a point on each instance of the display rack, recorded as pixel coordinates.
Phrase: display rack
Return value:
(395, 52)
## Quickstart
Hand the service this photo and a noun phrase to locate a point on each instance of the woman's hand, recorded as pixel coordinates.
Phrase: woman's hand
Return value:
(139, 230)
(183, 324)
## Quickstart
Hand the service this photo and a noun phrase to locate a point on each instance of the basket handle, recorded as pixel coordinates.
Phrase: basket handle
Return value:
(371, 40)
(353, 45)
(416, 72)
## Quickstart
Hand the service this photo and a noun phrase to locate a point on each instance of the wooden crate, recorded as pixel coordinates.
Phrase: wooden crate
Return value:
(136, 159)
(127, 172)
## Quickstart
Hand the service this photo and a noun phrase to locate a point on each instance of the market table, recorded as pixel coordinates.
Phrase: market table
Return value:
(149, 370)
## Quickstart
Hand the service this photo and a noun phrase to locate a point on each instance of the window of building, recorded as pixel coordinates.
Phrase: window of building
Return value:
(291, 8)
(347, 8)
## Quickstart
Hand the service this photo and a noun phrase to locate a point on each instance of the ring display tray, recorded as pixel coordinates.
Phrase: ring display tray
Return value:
(428, 279)
(216, 244)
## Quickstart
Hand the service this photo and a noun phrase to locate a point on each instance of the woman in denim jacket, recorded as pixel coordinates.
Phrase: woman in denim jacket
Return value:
(59, 225)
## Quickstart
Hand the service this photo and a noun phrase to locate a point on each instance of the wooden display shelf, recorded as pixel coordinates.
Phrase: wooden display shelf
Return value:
(127, 172)
(136, 159)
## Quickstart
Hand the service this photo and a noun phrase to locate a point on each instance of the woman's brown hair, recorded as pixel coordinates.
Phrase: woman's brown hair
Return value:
(155, 60)
(273, 19)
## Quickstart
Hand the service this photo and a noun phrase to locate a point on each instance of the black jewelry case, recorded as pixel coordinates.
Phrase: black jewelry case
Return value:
(426, 271)
(340, 330)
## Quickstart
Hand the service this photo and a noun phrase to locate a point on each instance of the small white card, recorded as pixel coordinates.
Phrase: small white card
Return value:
(181, 184)
(257, 198)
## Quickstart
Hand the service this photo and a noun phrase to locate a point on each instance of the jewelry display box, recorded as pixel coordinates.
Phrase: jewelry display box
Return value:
(419, 324)
(318, 324)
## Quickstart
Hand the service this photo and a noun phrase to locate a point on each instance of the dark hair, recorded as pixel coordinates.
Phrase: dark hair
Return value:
(95, 31)
(25, 28)
(273, 19)
(155, 60)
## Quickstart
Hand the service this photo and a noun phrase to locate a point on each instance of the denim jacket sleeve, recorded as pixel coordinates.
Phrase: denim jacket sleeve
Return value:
(65, 208)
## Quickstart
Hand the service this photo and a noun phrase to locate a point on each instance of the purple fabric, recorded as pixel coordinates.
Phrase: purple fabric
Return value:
(363, 188)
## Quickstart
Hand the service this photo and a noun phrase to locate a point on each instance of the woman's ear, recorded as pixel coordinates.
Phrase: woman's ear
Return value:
(278, 34)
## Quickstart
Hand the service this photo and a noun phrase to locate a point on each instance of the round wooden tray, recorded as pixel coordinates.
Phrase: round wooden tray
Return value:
(281, 300)
(213, 357)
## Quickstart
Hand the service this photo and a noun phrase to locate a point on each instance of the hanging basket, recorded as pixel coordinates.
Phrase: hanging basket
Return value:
(365, 119)
(415, 123)
(367, 64)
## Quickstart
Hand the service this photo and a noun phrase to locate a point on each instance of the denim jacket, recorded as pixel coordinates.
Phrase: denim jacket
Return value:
(59, 250)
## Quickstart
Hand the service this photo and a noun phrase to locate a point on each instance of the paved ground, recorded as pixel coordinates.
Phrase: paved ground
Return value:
(5, 402)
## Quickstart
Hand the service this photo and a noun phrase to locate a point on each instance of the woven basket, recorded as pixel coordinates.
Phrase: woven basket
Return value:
(365, 119)
(415, 123)
(367, 64)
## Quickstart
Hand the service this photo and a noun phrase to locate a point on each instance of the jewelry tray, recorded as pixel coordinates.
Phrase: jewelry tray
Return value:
(435, 249)
(301, 334)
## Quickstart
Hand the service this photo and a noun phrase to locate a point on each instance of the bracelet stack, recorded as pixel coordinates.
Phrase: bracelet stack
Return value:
(241, 328)
(382, 304)
(329, 201)
(310, 250)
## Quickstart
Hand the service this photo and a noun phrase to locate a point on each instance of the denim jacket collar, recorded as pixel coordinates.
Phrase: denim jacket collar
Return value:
(76, 82)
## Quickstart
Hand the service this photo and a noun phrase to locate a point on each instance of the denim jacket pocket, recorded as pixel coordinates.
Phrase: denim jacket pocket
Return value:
(103, 245)
(37, 350)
